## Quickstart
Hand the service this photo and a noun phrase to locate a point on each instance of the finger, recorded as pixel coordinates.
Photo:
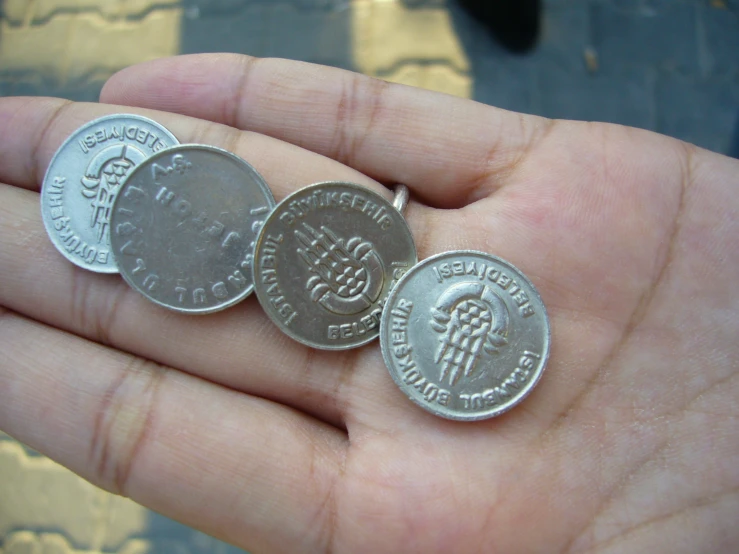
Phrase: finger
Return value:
(252, 472)
(32, 129)
(450, 151)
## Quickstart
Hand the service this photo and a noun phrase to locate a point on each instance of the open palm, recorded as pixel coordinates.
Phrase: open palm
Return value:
(628, 444)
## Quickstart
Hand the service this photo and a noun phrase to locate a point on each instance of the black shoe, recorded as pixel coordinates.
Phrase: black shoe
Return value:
(515, 23)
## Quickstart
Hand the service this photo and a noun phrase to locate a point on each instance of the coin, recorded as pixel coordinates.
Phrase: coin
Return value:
(465, 335)
(402, 195)
(184, 226)
(325, 261)
(83, 179)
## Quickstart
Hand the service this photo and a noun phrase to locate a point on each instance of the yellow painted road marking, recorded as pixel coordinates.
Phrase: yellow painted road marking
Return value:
(413, 46)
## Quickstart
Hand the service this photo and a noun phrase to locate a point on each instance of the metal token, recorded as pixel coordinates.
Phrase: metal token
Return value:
(325, 261)
(465, 335)
(402, 195)
(83, 179)
(184, 225)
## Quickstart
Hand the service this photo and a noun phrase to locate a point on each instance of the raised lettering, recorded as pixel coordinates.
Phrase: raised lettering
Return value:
(181, 292)
(126, 212)
(165, 196)
(134, 194)
(158, 171)
(151, 282)
(465, 398)
(220, 291)
(216, 230)
(489, 397)
(237, 280)
(183, 208)
(198, 296)
(140, 266)
(130, 249)
(124, 229)
(412, 376)
(399, 324)
(431, 392)
(286, 310)
(521, 298)
(231, 237)
(444, 397)
(61, 223)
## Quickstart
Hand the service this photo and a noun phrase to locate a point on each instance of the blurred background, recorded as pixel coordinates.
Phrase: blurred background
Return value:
(671, 66)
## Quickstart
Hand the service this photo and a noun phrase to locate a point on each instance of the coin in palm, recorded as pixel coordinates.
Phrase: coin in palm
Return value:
(84, 178)
(326, 260)
(184, 227)
(465, 335)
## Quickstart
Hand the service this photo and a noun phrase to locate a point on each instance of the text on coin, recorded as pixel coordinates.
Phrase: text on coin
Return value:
(121, 133)
(506, 390)
(318, 199)
(403, 351)
(482, 272)
(356, 328)
(268, 275)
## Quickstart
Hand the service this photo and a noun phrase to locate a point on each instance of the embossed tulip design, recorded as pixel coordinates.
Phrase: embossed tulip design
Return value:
(471, 318)
(347, 278)
(102, 180)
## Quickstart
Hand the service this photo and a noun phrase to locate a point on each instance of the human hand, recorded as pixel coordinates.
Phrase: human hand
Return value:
(628, 444)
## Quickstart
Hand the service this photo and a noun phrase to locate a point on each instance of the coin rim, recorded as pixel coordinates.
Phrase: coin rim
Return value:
(48, 225)
(363, 189)
(388, 359)
(260, 181)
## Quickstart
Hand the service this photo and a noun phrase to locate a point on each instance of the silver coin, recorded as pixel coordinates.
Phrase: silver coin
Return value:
(402, 195)
(465, 335)
(83, 179)
(325, 261)
(184, 224)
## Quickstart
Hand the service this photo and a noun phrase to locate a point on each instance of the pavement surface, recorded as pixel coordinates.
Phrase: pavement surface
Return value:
(671, 66)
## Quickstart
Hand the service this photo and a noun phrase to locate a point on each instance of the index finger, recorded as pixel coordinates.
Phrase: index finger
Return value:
(450, 151)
